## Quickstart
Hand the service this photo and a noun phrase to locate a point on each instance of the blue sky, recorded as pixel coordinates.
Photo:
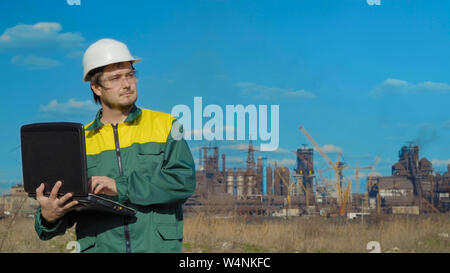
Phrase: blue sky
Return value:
(362, 79)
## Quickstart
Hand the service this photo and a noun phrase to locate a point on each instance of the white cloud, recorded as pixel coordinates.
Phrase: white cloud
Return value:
(434, 86)
(242, 147)
(330, 148)
(440, 162)
(37, 46)
(71, 107)
(286, 162)
(403, 87)
(47, 27)
(194, 133)
(283, 151)
(220, 130)
(234, 159)
(41, 35)
(34, 62)
(300, 94)
(363, 175)
(395, 82)
(268, 93)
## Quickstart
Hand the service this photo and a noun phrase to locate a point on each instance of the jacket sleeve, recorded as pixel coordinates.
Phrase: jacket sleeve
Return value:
(47, 231)
(174, 182)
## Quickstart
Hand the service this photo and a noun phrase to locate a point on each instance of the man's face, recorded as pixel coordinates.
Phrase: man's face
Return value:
(118, 86)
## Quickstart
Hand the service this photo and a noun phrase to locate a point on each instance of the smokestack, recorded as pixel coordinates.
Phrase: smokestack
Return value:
(240, 183)
(269, 179)
(216, 159)
(223, 165)
(205, 158)
(264, 178)
(230, 182)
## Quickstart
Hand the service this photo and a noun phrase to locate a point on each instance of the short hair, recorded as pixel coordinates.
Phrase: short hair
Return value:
(94, 77)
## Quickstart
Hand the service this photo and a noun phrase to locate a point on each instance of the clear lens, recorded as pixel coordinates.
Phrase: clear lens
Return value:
(116, 80)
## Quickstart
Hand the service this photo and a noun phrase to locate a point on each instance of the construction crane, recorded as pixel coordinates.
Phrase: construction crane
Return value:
(357, 169)
(347, 194)
(339, 176)
(340, 166)
(335, 167)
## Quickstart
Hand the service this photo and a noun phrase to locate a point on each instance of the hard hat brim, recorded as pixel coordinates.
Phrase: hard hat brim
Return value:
(86, 77)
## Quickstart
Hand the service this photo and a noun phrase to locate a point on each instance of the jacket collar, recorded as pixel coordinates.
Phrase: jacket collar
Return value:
(134, 113)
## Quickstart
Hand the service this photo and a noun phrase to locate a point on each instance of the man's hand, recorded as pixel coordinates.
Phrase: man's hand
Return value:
(103, 185)
(52, 207)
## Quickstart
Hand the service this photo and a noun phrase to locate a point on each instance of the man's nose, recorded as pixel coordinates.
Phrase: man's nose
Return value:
(125, 82)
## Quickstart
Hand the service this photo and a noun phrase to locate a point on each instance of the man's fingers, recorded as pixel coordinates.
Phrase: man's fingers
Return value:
(97, 183)
(103, 185)
(70, 205)
(98, 188)
(64, 199)
(40, 191)
(54, 192)
(93, 184)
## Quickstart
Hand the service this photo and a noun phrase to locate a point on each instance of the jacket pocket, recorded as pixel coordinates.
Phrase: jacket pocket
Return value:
(169, 232)
(87, 244)
(169, 238)
(150, 156)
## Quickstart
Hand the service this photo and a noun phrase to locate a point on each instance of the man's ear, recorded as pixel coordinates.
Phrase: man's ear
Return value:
(96, 89)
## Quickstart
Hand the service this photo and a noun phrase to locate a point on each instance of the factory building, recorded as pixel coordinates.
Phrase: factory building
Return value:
(412, 183)
(412, 187)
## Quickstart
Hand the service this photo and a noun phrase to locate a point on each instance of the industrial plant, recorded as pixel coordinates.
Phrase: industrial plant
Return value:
(259, 188)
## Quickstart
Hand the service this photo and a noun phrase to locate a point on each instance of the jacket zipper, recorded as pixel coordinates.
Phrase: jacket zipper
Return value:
(119, 162)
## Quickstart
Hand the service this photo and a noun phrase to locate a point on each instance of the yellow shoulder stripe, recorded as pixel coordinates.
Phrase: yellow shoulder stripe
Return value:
(150, 126)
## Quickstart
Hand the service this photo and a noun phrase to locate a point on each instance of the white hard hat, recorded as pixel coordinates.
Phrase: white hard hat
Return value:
(104, 52)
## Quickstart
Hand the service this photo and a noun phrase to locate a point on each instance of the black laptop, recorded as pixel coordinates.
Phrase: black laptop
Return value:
(56, 151)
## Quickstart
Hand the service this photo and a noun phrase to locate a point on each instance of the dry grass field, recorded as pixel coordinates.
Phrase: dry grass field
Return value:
(19, 236)
(203, 233)
(427, 233)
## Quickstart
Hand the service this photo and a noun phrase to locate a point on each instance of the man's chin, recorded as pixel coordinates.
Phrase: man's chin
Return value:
(125, 105)
(128, 102)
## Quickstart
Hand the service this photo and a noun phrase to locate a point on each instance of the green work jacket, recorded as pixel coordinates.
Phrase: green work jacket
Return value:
(154, 172)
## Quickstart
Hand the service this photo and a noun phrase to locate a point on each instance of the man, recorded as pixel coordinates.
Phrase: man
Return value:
(134, 156)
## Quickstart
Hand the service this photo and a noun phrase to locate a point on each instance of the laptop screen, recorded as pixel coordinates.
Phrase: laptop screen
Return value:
(51, 152)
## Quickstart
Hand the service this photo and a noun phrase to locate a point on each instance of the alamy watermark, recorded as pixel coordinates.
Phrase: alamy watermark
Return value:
(232, 129)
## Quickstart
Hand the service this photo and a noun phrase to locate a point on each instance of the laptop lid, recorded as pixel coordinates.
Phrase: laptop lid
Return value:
(54, 151)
